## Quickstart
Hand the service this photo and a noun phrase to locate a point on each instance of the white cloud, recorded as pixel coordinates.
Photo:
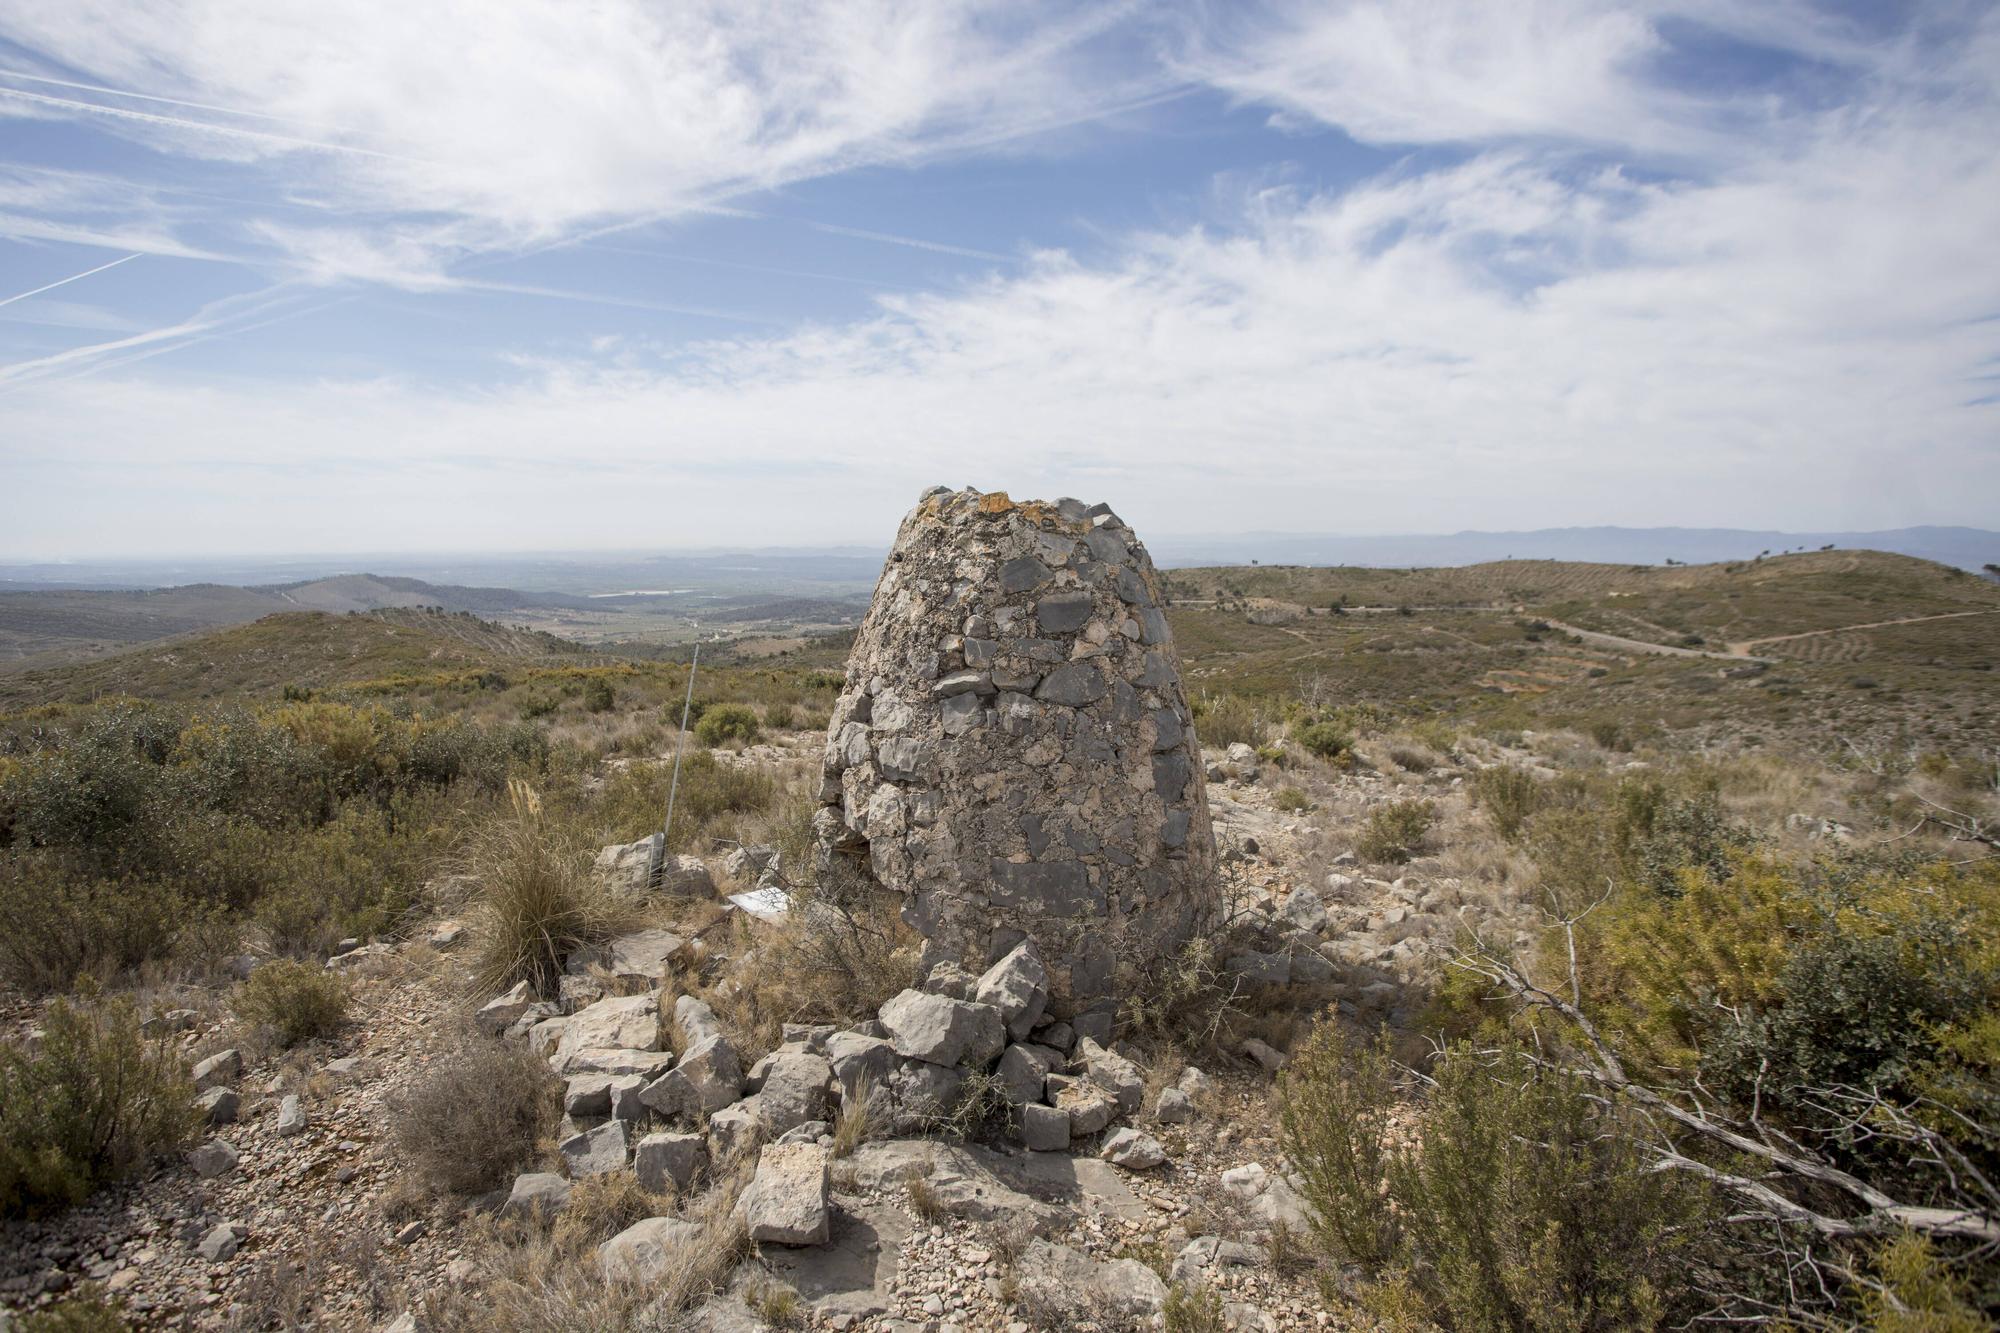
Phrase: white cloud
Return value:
(1781, 329)
(521, 123)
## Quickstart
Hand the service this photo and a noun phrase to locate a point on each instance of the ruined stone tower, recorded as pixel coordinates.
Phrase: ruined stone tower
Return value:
(1012, 751)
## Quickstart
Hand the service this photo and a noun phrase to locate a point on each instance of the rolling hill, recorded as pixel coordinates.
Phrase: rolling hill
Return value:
(307, 649)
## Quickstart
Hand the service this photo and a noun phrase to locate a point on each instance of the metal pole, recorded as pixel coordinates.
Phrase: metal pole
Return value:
(674, 784)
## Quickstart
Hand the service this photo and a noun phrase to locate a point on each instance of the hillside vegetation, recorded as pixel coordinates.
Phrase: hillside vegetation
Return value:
(1716, 932)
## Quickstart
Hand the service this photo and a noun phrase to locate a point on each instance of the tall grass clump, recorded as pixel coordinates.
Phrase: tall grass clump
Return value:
(538, 900)
(93, 1102)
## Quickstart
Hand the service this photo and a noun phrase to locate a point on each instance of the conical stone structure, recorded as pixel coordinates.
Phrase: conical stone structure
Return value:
(1012, 751)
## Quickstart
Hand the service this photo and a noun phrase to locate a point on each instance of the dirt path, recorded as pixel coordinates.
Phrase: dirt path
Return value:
(1642, 646)
(1742, 647)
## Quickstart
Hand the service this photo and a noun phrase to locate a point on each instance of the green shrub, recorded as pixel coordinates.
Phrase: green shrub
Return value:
(64, 923)
(1223, 720)
(75, 1314)
(1328, 740)
(726, 722)
(536, 705)
(1291, 800)
(1528, 1204)
(598, 696)
(472, 1118)
(296, 1001)
(1508, 795)
(780, 717)
(1395, 832)
(713, 796)
(91, 1103)
(1579, 1233)
(539, 901)
(1333, 1107)
(1193, 1309)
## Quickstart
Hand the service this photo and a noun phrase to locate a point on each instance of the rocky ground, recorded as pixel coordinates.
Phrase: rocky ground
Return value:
(294, 1213)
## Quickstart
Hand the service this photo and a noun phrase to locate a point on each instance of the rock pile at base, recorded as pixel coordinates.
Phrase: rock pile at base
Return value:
(1013, 752)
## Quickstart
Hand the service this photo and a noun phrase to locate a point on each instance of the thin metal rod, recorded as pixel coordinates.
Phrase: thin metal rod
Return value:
(674, 785)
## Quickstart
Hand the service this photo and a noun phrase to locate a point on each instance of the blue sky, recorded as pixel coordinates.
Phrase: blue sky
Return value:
(449, 275)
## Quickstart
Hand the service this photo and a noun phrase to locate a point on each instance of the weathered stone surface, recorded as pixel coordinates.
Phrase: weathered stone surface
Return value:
(609, 1060)
(1132, 1150)
(640, 958)
(217, 1157)
(794, 1091)
(498, 1014)
(921, 1094)
(224, 1067)
(1044, 1128)
(1113, 1073)
(785, 1203)
(536, 1193)
(625, 1022)
(695, 1021)
(1018, 986)
(645, 1252)
(1173, 1108)
(1089, 1107)
(291, 1117)
(942, 1030)
(1012, 751)
(220, 1243)
(708, 1078)
(1024, 1071)
(1304, 910)
(595, 1152)
(218, 1105)
(860, 1062)
(1069, 1282)
(667, 1163)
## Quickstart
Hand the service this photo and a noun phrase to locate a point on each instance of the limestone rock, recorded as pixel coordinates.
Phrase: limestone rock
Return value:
(219, 1105)
(1012, 751)
(708, 1078)
(695, 1021)
(217, 1157)
(291, 1117)
(626, 1022)
(1173, 1108)
(794, 1091)
(941, 1030)
(1044, 1128)
(1018, 986)
(536, 1194)
(1089, 1107)
(498, 1014)
(1024, 1071)
(644, 1252)
(641, 958)
(1114, 1073)
(786, 1201)
(1132, 1150)
(222, 1068)
(222, 1241)
(669, 1163)
(595, 1152)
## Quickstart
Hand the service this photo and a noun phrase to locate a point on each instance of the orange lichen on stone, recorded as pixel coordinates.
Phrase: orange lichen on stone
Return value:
(995, 502)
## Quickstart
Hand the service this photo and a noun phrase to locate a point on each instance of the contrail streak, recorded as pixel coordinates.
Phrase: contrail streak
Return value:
(181, 123)
(64, 282)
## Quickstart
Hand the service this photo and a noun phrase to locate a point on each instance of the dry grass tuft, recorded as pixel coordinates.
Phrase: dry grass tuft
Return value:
(474, 1115)
(539, 901)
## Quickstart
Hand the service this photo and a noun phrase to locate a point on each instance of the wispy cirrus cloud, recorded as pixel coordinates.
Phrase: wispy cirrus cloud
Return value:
(1605, 275)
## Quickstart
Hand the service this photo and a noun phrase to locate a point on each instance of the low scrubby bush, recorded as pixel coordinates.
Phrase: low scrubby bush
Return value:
(598, 696)
(295, 1001)
(1508, 795)
(1328, 740)
(1395, 832)
(713, 795)
(722, 723)
(1526, 1205)
(92, 1102)
(472, 1116)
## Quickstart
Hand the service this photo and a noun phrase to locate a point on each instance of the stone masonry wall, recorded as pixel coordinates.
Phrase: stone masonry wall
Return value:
(1013, 752)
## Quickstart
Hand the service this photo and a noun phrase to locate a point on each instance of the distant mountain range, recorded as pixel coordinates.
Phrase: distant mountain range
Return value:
(1967, 548)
